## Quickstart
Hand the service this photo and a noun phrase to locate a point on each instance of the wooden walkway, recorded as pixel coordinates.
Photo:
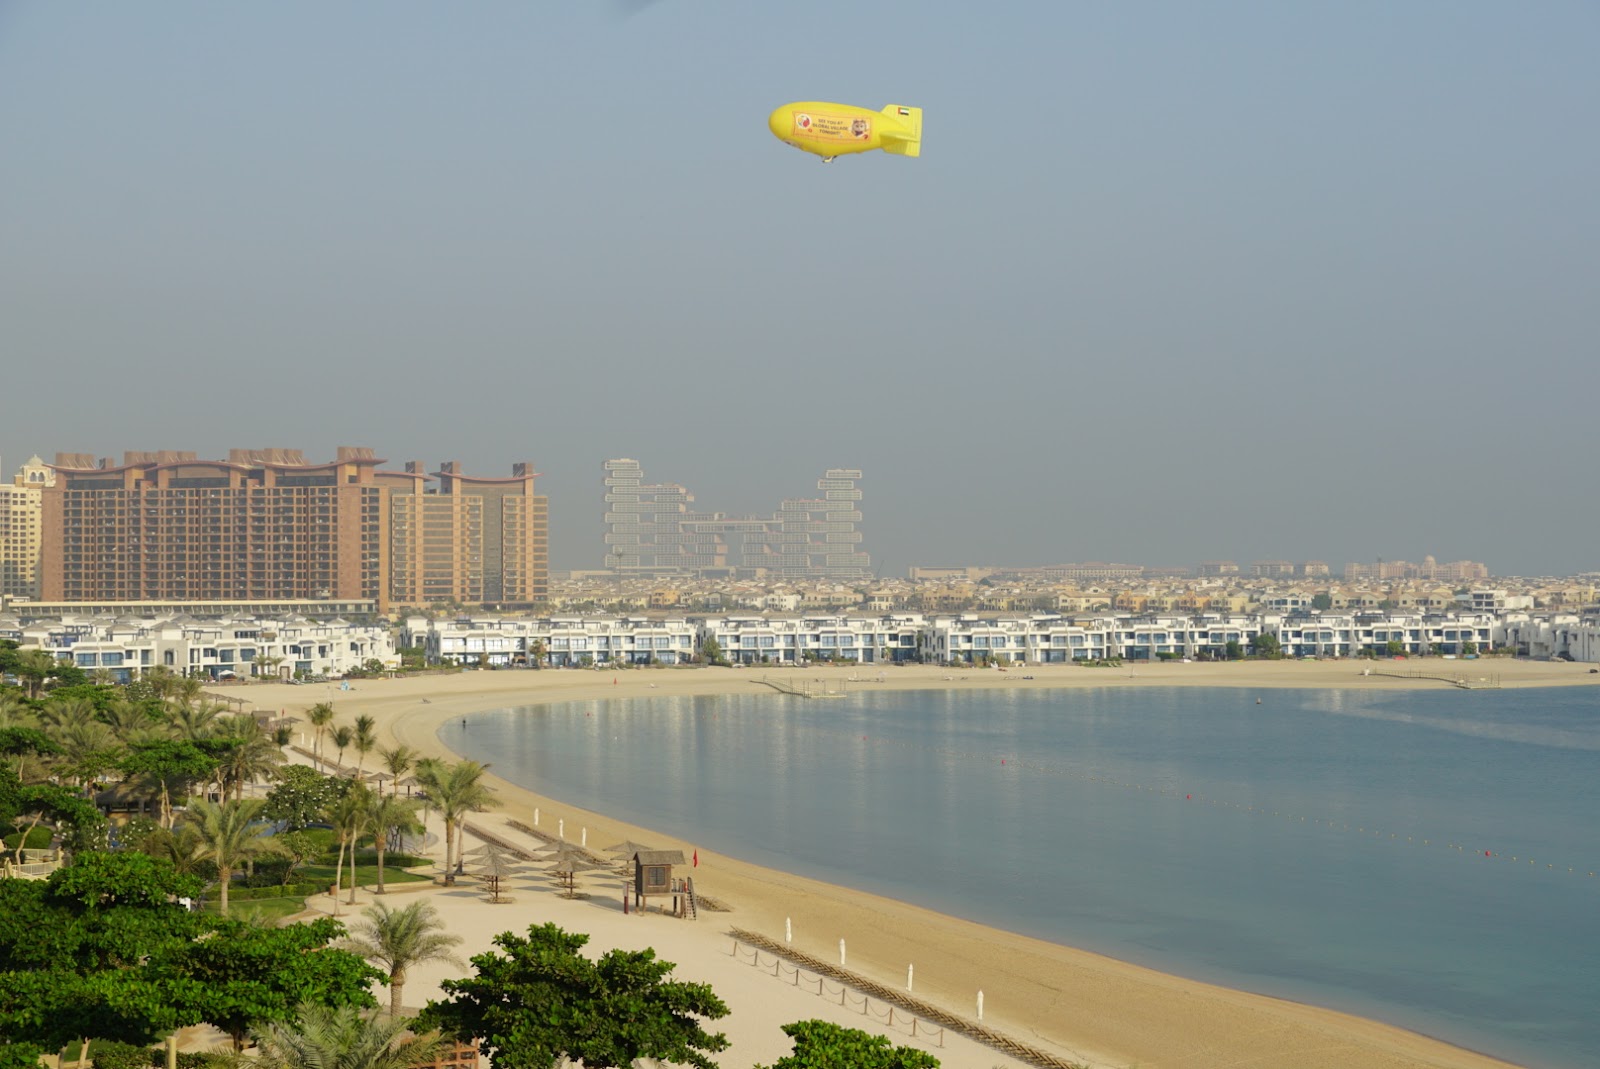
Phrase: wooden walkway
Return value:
(804, 689)
(1480, 683)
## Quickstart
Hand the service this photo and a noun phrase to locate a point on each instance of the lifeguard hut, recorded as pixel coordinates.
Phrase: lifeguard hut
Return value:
(652, 875)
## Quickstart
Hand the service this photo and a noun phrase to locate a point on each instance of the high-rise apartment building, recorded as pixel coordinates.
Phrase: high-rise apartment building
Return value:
(21, 520)
(651, 530)
(265, 524)
(471, 539)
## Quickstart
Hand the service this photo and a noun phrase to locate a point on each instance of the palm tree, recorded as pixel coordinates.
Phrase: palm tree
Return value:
(397, 762)
(365, 739)
(129, 720)
(320, 715)
(57, 716)
(348, 815)
(33, 667)
(180, 845)
(88, 748)
(344, 1037)
(455, 790)
(397, 939)
(341, 737)
(192, 721)
(161, 680)
(536, 651)
(386, 814)
(250, 754)
(228, 834)
(15, 713)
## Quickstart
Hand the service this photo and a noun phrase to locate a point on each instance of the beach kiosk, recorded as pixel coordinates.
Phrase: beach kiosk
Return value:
(652, 875)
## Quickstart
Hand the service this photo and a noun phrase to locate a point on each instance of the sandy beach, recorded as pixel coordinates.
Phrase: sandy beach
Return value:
(1079, 1006)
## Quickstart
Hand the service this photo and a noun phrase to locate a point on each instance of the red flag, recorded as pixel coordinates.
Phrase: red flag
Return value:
(696, 860)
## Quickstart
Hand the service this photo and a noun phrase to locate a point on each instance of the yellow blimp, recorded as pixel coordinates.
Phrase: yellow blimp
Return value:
(830, 130)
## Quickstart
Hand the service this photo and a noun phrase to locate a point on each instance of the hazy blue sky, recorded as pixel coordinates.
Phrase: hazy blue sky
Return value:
(1170, 281)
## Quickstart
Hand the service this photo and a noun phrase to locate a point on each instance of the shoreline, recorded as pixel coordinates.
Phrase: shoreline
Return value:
(1090, 1008)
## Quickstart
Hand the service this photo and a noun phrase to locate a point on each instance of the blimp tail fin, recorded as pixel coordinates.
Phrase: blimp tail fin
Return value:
(903, 135)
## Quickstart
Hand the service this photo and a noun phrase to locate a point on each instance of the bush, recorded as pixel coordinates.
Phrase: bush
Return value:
(38, 839)
(269, 872)
(109, 1054)
(188, 1059)
(293, 890)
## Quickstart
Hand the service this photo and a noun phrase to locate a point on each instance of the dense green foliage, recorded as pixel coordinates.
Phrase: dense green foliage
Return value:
(542, 1000)
(821, 1045)
(104, 949)
(300, 796)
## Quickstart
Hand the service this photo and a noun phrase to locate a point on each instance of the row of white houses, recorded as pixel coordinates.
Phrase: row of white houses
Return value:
(221, 648)
(565, 641)
(297, 647)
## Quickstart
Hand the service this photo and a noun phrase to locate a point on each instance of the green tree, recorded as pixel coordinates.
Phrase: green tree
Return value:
(320, 715)
(33, 668)
(386, 815)
(543, 1000)
(366, 738)
(822, 1045)
(245, 976)
(1469, 648)
(172, 766)
(320, 1037)
(397, 762)
(1322, 602)
(228, 834)
(1233, 651)
(1394, 647)
(711, 650)
(348, 815)
(244, 753)
(301, 795)
(1266, 644)
(397, 939)
(194, 720)
(455, 790)
(73, 949)
(22, 743)
(342, 736)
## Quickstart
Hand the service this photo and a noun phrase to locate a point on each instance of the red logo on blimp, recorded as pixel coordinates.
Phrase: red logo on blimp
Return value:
(803, 121)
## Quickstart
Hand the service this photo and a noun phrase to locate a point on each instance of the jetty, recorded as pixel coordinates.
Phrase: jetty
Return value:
(806, 688)
(1462, 682)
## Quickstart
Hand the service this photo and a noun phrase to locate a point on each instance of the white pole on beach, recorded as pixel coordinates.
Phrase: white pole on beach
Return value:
(841, 952)
(561, 828)
(535, 816)
(980, 1007)
(788, 931)
(585, 840)
(910, 972)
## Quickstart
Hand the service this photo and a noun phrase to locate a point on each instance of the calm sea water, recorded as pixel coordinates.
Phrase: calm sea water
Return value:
(1422, 858)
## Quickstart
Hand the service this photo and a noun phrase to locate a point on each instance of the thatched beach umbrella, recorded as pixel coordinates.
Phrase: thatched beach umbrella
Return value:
(626, 849)
(565, 861)
(494, 871)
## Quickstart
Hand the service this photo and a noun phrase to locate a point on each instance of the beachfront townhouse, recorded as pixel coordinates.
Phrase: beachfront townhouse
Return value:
(750, 639)
(233, 647)
(1350, 634)
(556, 641)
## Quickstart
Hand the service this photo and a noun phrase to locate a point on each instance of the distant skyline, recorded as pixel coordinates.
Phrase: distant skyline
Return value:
(1168, 283)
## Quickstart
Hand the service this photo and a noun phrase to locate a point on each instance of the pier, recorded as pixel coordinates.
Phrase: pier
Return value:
(1480, 683)
(806, 688)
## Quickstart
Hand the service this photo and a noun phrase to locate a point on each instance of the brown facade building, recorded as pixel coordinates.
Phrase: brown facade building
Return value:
(266, 525)
(473, 540)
